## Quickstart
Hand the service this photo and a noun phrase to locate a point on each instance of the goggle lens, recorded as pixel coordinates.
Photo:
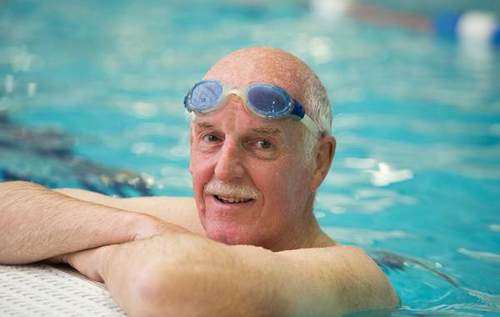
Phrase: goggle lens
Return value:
(268, 101)
(205, 96)
(265, 100)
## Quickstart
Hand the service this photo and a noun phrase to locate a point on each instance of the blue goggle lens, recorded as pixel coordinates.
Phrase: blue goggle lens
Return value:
(265, 100)
(204, 96)
(268, 101)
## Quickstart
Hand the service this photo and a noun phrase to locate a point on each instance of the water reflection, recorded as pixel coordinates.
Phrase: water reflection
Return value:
(363, 200)
(481, 255)
(365, 237)
(385, 175)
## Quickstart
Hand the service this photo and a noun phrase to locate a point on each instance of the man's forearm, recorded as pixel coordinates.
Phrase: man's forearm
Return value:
(191, 276)
(37, 223)
(183, 275)
(186, 275)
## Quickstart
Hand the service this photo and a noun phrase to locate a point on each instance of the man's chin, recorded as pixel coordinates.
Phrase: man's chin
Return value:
(231, 223)
(230, 234)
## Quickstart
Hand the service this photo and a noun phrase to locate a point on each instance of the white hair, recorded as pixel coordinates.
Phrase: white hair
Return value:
(318, 108)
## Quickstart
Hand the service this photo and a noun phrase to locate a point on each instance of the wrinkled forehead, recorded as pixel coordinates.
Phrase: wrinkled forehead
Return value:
(236, 119)
(277, 68)
(240, 124)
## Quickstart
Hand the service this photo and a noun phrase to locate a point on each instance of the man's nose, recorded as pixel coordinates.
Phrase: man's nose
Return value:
(229, 163)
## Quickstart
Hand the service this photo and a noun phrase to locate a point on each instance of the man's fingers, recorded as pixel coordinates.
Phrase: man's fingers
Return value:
(86, 262)
(58, 259)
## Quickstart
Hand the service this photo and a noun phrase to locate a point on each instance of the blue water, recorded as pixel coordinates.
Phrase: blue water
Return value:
(417, 121)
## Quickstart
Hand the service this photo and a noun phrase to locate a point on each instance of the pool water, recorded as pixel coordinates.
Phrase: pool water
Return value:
(91, 96)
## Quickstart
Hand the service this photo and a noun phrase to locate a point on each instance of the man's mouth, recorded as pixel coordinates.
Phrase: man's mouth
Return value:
(232, 200)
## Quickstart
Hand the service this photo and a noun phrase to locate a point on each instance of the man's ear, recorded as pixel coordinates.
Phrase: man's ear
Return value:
(190, 148)
(325, 151)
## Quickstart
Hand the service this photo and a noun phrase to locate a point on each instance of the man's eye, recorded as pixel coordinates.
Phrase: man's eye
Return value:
(263, 144)
(210, 138)
(263, 148)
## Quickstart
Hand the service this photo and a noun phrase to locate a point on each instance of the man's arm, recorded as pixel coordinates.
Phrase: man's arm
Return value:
(37, 223)
(176, 210)
(185, 275)
(337, 280)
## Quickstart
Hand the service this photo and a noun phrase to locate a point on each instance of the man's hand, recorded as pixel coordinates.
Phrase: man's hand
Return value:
(89, 261)
(153, 227)
(92, 262)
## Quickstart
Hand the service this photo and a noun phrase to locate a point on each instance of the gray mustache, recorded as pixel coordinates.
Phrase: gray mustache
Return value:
(230, 190)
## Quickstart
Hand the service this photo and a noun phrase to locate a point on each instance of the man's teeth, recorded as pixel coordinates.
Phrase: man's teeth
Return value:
(232, 200)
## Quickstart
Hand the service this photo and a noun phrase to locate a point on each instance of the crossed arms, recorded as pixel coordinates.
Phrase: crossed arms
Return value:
(153, 266)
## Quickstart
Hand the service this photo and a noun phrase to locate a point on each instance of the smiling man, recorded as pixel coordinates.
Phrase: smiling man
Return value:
(246, 134)
(248, 244)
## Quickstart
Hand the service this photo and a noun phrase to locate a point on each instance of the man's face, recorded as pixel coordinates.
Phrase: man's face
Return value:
(249, 176)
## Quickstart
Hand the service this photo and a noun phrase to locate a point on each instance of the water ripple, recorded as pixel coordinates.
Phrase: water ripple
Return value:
(480, 255)
(364, 236)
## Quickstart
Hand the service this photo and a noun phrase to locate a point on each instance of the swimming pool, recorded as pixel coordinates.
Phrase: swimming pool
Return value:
(91, 89)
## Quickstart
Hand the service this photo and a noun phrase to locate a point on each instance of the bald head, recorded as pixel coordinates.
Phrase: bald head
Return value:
(262, 64)
(280, 68)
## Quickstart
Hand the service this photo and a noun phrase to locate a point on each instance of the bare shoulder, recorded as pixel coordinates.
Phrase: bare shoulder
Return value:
(351, 262)
(178, 210)
(372, 285)
(358, 279)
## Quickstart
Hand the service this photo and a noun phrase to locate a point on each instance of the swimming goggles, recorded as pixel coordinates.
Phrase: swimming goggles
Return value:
(265, 100)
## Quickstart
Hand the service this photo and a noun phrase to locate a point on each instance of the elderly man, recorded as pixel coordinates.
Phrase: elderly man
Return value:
(248, 244)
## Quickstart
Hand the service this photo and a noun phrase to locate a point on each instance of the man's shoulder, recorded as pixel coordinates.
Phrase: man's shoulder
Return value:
(348, 274)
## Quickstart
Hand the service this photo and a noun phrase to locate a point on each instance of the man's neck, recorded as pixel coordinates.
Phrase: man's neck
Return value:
(309, 236)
